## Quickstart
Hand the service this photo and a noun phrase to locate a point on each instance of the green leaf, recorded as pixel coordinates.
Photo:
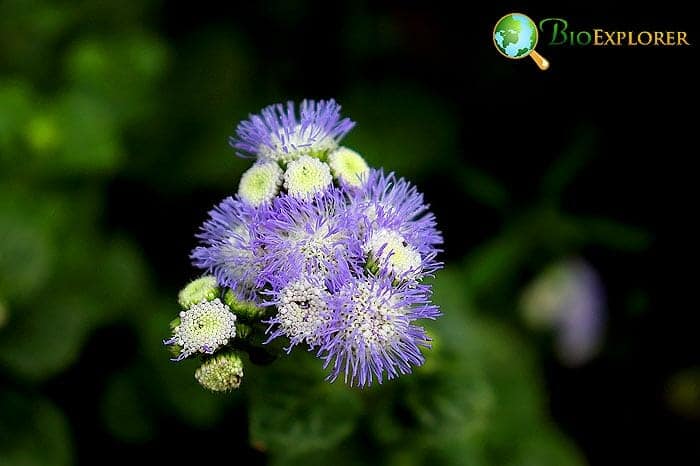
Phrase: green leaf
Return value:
(565, 168)
(120, 70)
(294, 411)
(613, 235)
(484, 188)
(75, 134)
(542, 445)
(47, 337)
(492, 264)
(32, 432)
(16, 104)
(26, 254)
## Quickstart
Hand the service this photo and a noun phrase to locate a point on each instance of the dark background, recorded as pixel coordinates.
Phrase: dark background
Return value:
(604, 133)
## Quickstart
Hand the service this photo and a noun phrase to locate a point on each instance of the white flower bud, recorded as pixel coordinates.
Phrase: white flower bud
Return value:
(260, 183)
(307, 176)
(348, 166)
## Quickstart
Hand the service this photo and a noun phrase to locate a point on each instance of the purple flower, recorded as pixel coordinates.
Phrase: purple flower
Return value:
(308, 238)
(371, 332)
(401, 232)
(228, 249)
(277, 134)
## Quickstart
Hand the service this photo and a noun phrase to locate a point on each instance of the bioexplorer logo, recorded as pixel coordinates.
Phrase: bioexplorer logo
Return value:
(516, 36)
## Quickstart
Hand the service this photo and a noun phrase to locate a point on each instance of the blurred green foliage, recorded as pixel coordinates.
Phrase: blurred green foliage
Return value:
(92, 96)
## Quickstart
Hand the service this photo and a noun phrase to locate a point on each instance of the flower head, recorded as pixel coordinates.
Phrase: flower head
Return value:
(371, 333)
(227, 247)
(221, 373)
(278, 134)
(302, 311)
(400, 232)
(203, 328)
(308, 238)
(394, 203)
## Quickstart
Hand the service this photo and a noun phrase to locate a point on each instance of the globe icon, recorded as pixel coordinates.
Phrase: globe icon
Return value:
(515, 36)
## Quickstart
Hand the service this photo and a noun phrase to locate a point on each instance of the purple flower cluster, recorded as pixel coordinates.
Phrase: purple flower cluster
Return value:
(343, 268)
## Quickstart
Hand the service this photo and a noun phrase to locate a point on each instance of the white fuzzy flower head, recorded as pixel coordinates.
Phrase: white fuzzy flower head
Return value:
(348, 166)
(307, 176)
(301, 312)
(285, 146)
(377, 323)
(221, 373)
(203, 328)
(260, 183)
(389, 249)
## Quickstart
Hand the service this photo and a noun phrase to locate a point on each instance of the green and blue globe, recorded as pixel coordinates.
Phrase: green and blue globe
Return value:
(515, 35)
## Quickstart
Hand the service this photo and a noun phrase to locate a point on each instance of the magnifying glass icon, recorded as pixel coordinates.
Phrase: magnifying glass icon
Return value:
(515, 37)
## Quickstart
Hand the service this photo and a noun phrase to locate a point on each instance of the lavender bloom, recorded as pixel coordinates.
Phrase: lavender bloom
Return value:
(401, 232)
(304, 239)
(277, 134)
(371, 333)
(228, 249)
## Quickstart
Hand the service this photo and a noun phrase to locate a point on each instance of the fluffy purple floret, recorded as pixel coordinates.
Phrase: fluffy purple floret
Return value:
(391, 203)
(278, 129)
(228, 249)
(371, 333)
(308, 238)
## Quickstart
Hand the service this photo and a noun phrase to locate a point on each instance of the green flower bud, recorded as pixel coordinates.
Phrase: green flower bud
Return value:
(197, 291)
(348, 166)
(307, 176)
(245, 309)
(260, 183)
(221, 373)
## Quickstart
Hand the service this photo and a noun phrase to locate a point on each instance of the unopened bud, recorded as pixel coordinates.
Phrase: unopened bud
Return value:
(307, 176)
(221, 373)
(348, 166)
(197, 291)
(260, 183)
